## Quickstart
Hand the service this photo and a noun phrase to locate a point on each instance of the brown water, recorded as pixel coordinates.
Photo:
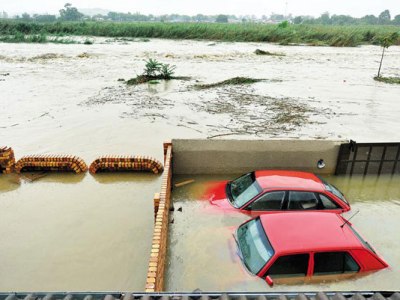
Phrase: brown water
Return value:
(202, 251)
(66, 232)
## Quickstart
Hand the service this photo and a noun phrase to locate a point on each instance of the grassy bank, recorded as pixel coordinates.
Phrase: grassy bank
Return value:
(297, 34)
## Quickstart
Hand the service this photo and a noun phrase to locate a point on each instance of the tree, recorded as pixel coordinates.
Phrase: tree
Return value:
(369, 19)
(26, 17)
(222, 19)
(298, 20)
(396, 20)
(3, 15)
(384, 17)
(69, 13)
(45, 18)
(325, 18)
(386, 42)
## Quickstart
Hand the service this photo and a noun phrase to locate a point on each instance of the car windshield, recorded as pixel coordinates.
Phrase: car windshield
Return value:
(254, 245)
(243, 189)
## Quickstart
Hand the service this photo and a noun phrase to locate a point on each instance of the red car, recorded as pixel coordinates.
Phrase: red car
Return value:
(304, 244)
(271, 191)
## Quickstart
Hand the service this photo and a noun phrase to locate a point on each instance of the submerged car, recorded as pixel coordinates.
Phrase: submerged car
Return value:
(304, 245)
(269, 191)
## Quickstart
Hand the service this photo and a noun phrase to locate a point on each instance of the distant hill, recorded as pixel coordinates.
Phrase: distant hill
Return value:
(93, 11)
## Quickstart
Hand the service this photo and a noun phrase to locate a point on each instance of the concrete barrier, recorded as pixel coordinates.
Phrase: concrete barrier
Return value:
(7, 160)
(195, 156)
(126, 163)
(51, 163)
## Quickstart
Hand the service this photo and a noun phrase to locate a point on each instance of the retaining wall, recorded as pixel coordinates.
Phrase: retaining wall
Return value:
(195, 156)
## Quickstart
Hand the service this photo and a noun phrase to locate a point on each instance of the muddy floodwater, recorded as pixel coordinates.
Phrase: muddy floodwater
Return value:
(67, 232)
(78, 232)
(202, 251)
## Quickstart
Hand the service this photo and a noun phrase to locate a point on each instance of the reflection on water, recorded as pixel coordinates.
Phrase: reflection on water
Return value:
(202, 251)
(85, 236)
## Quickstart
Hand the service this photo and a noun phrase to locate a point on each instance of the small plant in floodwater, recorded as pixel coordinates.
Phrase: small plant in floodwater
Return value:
(152, 67)
(167, 71)
(153, 71)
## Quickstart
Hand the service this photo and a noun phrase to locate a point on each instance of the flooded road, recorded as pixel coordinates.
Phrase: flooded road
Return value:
(66, 232)
(204, 257)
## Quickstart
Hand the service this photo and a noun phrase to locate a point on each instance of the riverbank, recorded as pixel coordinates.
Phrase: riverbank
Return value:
(314, 35)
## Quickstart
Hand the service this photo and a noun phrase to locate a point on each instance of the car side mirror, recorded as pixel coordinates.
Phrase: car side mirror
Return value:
(269, 280)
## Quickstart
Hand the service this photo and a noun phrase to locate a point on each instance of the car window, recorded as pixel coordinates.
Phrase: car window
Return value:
(289, 265)
(334, 263)
(327, 203)
(302, 200)
(268, 201)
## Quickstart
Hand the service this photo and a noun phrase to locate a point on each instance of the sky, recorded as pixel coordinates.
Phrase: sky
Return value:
(356, 8)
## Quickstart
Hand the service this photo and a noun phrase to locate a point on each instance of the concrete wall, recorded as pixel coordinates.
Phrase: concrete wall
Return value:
(199, 156)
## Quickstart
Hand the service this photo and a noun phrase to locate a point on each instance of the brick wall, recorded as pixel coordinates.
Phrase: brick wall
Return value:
(126, 163)
(51, 163)
(156, 269)
(7, 159)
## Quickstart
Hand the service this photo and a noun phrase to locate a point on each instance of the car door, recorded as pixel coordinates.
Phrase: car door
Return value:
(268, 202)
(289, 268)
(334, 265)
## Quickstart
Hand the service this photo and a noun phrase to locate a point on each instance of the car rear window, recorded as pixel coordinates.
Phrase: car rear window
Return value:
(243, 189)
(364, 242)
(334, 190)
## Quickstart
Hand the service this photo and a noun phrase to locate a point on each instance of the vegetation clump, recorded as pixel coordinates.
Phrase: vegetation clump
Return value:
(88, 42)
(327, 35)
(391, 80)
(153, 71)
(262, 52)
(232, 81)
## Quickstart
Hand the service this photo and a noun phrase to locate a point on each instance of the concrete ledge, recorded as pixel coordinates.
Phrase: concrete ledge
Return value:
(199, 156)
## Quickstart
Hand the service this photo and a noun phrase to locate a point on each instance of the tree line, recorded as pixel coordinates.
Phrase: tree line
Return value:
(70, 13)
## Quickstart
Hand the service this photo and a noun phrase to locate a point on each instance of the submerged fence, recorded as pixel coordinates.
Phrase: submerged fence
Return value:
(368, 158)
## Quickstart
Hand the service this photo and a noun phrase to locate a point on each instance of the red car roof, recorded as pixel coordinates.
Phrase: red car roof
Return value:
(308, 231)
(289, 180)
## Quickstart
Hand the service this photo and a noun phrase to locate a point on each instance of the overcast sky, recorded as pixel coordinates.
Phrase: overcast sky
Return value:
(355, 8)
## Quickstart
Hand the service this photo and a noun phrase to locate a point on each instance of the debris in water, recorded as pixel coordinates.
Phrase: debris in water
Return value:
(262, 52)
(231, 81)
(83, 55)
(30, 177)
(184, 183)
